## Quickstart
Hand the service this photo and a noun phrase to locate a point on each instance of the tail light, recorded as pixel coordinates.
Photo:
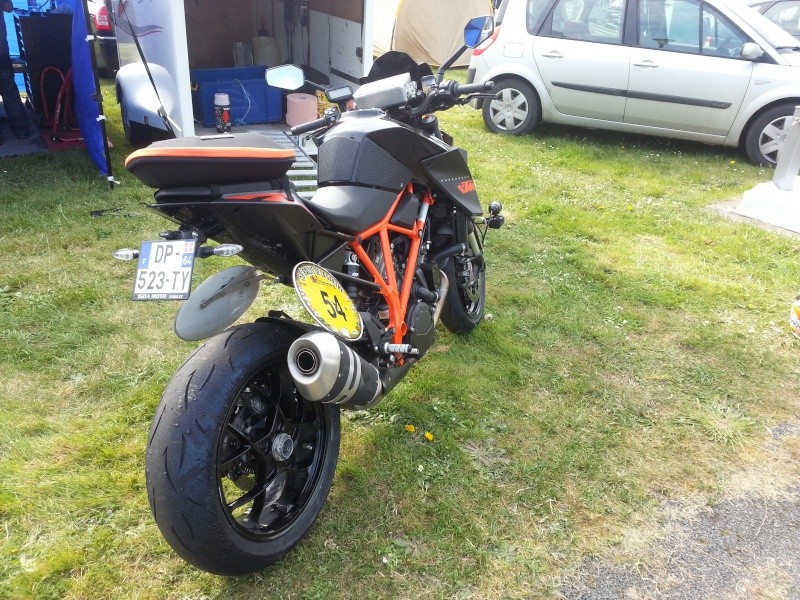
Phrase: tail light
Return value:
(103, 20)
(488, 42)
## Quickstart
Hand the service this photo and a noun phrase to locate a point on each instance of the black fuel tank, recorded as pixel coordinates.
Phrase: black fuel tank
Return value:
(366, 148)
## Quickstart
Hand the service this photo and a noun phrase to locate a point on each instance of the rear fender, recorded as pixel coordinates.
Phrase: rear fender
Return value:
(136, 92)
(275, 231)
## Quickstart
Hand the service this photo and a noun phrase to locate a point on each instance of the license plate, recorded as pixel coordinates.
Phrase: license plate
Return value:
(164, 270)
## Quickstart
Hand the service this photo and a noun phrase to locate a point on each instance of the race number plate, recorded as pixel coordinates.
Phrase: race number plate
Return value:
(326, 300)
(164, 271)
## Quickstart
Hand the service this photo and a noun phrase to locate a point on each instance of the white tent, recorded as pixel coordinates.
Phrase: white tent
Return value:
(427, 31)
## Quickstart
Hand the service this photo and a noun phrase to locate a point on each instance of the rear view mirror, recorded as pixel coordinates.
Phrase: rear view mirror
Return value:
(477, 31)
(752, 51)
(285, 77)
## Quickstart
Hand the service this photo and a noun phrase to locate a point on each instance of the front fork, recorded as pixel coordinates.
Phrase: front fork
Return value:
(468, 228)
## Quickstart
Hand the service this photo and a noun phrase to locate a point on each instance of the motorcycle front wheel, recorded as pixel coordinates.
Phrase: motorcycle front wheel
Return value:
(238, 464)
(466, 297)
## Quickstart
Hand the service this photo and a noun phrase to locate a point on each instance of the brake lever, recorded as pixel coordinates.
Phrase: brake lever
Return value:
(467, 99)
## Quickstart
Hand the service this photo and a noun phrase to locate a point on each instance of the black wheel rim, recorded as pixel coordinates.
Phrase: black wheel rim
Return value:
(470, 289)
(270, 455)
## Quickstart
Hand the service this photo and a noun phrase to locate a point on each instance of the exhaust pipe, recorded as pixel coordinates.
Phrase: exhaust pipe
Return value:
(326, 370)
(444, 286)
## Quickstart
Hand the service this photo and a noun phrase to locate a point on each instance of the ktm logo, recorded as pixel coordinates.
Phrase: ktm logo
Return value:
(466, 187)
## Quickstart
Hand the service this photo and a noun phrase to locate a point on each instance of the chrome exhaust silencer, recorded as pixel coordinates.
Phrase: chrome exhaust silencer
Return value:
(326, 370)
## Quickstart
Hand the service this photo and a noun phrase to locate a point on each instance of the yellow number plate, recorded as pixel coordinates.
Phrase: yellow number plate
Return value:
(326, 300)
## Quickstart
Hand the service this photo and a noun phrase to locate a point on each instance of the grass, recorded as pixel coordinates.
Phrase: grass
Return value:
(637, 349)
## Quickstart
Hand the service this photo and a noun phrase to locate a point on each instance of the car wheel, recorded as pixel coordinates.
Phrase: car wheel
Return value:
(131, 130)
(126, 125)
(514, 110)
(767, 133)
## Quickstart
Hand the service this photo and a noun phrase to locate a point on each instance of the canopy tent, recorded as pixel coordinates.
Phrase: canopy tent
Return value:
(427, 31)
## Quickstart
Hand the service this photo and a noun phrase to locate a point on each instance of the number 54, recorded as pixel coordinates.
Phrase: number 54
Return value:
(334, 307)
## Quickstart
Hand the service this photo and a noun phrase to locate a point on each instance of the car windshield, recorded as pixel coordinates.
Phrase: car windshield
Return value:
(777, 37)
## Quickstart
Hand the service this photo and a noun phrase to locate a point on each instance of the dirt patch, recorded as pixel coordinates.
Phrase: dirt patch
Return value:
(743, 544)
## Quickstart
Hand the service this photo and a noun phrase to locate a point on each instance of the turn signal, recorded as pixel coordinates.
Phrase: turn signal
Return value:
(126, 254)
(227, 250)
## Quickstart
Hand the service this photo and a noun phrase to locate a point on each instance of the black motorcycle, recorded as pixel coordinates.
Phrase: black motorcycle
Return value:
(244, 444)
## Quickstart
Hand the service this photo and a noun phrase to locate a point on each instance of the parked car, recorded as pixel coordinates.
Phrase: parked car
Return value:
(714, 71)
(785, 13)
(106, 40)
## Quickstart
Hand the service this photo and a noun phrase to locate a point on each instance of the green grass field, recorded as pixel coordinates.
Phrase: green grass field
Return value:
(636, 350)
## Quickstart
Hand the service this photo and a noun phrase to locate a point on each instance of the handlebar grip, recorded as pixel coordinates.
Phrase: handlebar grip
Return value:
(310, 126)
(462, 89)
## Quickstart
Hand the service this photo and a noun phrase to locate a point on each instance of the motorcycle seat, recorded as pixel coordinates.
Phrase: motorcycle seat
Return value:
(198, 161)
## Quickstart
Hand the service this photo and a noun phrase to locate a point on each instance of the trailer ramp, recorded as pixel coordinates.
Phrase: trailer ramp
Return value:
(303, 172)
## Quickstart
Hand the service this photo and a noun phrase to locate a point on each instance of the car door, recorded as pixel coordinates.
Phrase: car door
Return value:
(579, 55)
(686, 72)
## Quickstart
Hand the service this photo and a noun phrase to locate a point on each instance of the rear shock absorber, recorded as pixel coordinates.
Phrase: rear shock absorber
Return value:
(352, 268)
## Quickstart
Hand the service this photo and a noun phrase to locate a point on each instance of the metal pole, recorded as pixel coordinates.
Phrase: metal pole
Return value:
(98, 97)
(789, 156)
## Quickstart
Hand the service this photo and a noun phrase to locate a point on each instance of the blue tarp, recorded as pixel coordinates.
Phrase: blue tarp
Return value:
(13, 46)
(84, 83)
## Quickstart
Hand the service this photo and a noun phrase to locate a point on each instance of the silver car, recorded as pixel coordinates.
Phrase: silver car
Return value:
(712, 71)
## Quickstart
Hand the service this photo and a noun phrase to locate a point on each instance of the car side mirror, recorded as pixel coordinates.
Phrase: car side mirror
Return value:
(285, 77)
(751, 51)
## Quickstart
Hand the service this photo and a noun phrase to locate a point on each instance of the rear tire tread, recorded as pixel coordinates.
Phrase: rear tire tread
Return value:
(183, 451)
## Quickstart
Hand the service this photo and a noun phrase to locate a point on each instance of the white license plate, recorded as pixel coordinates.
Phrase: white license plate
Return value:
(164, 270)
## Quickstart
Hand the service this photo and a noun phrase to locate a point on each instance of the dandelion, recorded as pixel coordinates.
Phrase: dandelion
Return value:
(410, 428)
(429, 436)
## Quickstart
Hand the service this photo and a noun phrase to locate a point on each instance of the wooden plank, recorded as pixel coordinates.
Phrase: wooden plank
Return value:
(352, 10)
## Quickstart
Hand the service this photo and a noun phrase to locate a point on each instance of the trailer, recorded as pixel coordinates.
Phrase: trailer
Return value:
(175, 55)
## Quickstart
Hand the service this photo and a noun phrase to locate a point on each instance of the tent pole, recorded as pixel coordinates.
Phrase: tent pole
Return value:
(98, 96)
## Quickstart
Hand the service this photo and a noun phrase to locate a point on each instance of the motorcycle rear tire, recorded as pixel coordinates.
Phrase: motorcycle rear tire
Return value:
(463, 308)
(238, 464)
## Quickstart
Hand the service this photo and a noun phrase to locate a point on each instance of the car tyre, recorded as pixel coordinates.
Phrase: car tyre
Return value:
(767, 133)
(126, 124)
(514, 110)
(133, 131)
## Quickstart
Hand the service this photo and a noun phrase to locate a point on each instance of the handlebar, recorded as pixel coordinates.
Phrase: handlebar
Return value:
(452, 90)
(462, 89)
(448, 89)
(310, 126)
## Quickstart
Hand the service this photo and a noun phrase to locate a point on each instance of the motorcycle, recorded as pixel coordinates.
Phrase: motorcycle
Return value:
(244, 443)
